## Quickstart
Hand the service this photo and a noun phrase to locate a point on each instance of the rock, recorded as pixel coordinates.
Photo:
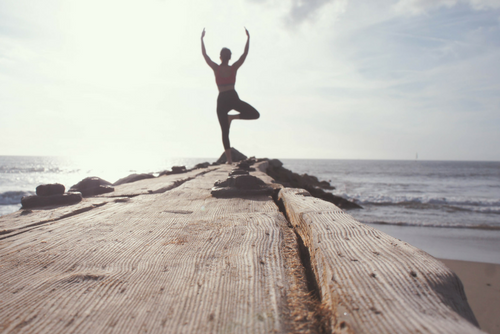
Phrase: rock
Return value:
(310, 183)
(175, 170)
(245, 165)
(133, 178)
(241, 181)
(50, 189)
(235, 154)
(60, 199)
(238, 172)
(275, 163)
(92, 186)
(241, 185)
(178, 169)
(202, 165)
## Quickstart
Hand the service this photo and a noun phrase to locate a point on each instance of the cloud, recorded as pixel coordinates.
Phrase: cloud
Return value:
(303, 10)
(416, 7)
(300, 11)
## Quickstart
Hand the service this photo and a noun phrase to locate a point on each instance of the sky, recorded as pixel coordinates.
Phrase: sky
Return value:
(332, 79)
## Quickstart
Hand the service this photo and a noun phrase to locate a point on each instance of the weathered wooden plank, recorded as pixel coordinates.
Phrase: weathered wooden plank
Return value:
(374, 283)
(25, 219)
(155, 185)
(180, 262)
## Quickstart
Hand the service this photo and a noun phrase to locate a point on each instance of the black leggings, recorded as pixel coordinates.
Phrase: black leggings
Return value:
(226, 102)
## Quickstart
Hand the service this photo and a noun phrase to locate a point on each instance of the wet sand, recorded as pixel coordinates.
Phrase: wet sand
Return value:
(482, 287)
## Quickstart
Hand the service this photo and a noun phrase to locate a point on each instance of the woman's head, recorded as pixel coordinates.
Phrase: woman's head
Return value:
(225, 54)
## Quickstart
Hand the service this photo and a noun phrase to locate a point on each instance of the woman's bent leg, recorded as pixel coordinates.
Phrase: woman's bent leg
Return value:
(246, 110)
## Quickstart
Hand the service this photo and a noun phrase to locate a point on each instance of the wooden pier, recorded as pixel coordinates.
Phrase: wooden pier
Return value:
(163, 255)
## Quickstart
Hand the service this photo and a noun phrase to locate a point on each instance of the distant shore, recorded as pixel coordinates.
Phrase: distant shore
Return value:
(482, 286)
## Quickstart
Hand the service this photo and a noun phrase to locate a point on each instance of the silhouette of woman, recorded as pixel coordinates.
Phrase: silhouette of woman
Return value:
(228, 99)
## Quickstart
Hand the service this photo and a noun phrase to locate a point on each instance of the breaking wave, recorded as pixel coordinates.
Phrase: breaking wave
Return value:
(426, 202)
(13, 197)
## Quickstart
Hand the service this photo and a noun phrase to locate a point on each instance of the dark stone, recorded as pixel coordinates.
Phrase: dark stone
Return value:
(178, 169)
(133, 178)
(50, 189)
(310, 183)
(202, 165)
(62, 199)
(238, 172)
(235, 154)
(241, 185)
(275, 163)
(245, 164)
(175, 170)
(248, 182)
(92, 186)
(242, 182)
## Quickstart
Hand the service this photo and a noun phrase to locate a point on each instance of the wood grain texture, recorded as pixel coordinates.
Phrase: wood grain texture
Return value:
(175, 262)
(155, 185)
(372, 282)
(23, 220)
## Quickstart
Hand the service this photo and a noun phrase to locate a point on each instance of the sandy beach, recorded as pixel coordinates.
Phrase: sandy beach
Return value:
(482, 287)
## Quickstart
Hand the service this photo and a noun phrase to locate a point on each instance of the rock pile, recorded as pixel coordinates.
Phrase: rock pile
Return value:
(50, 195)
(50, 189)
(241, 183)
(308, 182)
(92, 186)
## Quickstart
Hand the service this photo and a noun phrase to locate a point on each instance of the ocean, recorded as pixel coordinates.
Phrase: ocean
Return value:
(460, 194)
(426, 203)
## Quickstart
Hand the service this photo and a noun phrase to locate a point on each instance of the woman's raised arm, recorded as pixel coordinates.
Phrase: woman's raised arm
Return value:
(240, 61)
(209, 61)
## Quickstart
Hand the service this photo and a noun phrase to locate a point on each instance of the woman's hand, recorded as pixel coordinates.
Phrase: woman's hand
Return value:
(203, 33)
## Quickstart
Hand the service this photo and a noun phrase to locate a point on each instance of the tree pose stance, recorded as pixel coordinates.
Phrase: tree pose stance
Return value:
(225, 77)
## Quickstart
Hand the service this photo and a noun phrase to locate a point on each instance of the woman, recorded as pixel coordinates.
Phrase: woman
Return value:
(225, 77)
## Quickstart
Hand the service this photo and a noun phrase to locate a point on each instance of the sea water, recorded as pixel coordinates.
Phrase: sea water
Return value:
(414, 193)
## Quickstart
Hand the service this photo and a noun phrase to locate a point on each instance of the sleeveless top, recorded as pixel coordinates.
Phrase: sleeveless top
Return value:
(224, 81)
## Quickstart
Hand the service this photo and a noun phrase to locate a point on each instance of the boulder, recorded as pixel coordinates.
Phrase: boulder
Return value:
(50, 189)
(275, 163)
(49, 200)
(178, 169)
(245, 165)
(133, 178)
(241, 181)
(241, 185)
(175, 170)
(310, 183)
(202, 165)
(92, 186)
(238, 172)
(235, 154)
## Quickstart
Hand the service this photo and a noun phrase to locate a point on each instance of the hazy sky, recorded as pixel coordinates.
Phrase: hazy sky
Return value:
(340, 79)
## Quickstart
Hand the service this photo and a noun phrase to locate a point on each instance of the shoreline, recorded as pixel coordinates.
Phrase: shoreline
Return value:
(461, 244)
(482, 287)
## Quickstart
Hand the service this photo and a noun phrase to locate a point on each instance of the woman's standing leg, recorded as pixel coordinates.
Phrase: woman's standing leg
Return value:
(222, 109)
